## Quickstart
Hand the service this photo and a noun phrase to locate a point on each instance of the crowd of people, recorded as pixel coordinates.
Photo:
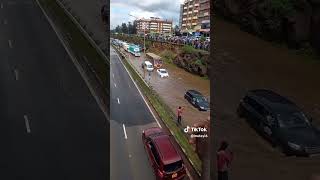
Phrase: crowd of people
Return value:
(196, 42)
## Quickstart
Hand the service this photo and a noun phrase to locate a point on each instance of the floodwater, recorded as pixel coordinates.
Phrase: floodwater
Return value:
(243, 62)
(172, 89)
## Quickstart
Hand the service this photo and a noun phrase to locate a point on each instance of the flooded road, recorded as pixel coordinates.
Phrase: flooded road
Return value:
(172, 89)
(243, 62)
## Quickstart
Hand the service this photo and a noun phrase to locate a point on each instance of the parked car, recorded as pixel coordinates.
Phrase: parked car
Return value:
(162, 73)
(281, 122)
(197, 100)
(164, 158)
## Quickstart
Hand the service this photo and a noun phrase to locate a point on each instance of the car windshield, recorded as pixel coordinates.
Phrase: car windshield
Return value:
(173, 166)
(163, 71)
(201, 99)
(291, 120)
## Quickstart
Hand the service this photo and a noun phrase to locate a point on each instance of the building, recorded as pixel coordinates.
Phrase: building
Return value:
(195, 16)
(180, 17)
(154, 25)
(204, 15)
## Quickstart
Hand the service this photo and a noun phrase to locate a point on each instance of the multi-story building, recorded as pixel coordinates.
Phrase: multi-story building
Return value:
(204, 15)
(195, 15)
(154, 25)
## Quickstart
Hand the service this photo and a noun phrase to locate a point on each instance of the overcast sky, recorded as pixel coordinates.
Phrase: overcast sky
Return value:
(165, 9)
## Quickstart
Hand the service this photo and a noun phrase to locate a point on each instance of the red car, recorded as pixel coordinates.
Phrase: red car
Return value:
(164, 158)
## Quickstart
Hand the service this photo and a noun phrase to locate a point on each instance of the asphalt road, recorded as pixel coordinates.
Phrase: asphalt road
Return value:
(51, 126)
(129, 116)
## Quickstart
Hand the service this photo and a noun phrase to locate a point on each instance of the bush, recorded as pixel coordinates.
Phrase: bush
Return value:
(199, 62)
(188, 49)
(168, 56)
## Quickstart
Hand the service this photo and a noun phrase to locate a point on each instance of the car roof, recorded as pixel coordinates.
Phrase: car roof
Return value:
(194, 92)
(147, 62)
(274, 101)
(162, 69)
(166, 150)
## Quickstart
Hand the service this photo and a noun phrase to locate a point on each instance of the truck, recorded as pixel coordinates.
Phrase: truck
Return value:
(134, 49)
(155, 60)
(125, 46)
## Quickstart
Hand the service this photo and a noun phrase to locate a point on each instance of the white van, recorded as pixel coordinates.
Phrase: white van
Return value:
(148, 65)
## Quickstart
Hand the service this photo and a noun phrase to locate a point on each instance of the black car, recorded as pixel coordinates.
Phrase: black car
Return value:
(197, 100)
(281, 122)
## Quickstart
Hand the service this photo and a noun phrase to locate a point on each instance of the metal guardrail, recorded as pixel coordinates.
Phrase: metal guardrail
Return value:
(85, 33)
(92, 42)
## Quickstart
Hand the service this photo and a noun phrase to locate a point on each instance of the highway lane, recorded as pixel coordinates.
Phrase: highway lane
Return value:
(51, 126)
(129, 116)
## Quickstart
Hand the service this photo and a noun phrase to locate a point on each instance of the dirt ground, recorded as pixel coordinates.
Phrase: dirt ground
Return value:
(242, 62)
(172, 89)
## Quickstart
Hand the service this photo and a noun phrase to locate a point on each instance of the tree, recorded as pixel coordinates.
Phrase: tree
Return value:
(134, 28)
(124, 28)
(176, 30)
(118, 29)
(130, 27)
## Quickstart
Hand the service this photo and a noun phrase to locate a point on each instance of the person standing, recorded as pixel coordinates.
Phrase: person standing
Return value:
(179, 113)
(224, 158)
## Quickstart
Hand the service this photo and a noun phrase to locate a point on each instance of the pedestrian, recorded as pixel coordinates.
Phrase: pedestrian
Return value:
(179, 113)
(224, 158)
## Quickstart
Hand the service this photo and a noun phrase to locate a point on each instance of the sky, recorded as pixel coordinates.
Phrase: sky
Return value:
(165, 9)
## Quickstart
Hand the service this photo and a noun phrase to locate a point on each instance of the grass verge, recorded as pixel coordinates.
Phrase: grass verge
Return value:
(78, 42)
(167, 116)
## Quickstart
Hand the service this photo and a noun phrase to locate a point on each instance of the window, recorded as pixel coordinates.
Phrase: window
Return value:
(173, 166)
(258, 107)
(155, 153)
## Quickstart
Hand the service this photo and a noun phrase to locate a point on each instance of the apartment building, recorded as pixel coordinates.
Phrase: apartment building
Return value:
(195, 15)
(204, 14)
(154, 25)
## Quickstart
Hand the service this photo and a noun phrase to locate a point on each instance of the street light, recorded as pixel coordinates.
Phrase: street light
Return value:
(144, 34)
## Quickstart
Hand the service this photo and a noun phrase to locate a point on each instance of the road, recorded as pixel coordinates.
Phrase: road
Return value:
(129, 116)
(51, 126)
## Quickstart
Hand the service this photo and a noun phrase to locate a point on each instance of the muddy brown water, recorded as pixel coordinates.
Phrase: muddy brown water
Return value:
(243, 62)
(172, 89)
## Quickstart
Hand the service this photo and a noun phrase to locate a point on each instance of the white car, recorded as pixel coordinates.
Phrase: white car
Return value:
(162, 73)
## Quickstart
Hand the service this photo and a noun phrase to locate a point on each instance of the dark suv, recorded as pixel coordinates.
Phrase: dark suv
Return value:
(165, 159)
(281, 122)
(197, 100)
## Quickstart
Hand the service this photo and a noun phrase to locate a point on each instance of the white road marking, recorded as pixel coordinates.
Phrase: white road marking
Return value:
(26, 120)
(115, 85)
(130, 155)
(118, 100)
(73, 59)
(139, 91)
(1, 6)
(10, 43)
(112, 75)
(16, 73)
(124, 131)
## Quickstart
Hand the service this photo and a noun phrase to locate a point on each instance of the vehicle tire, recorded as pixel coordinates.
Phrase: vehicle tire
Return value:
(282, 149)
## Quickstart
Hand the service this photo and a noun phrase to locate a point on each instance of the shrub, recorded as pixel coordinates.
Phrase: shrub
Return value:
(188, 49)
(168, 56)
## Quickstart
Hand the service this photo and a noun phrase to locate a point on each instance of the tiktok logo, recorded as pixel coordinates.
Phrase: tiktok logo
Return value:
(186, 130)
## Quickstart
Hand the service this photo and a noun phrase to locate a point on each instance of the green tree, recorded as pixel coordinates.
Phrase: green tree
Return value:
(124, 28)
(131, 28)
(118, 29)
